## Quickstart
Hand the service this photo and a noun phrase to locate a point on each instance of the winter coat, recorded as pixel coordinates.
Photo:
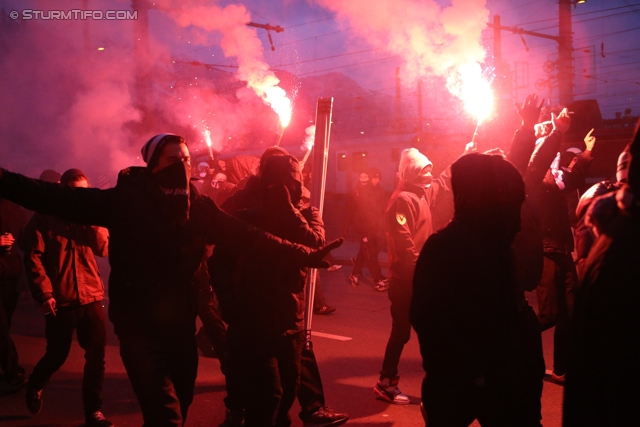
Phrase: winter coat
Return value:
(463, 306)
(59, 260)
(269, 296)
(408, 224)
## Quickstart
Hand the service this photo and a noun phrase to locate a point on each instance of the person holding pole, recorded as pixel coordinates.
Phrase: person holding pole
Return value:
(263, 302)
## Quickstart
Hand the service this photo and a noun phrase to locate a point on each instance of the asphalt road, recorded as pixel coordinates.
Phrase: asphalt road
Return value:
(349, 348)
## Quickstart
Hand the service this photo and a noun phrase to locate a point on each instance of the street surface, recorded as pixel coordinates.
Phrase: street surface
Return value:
(349, 349)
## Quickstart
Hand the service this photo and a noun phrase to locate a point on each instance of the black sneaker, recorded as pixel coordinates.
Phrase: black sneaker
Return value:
(325, 309)
(325, 417)
(97, 419)
(33, 399)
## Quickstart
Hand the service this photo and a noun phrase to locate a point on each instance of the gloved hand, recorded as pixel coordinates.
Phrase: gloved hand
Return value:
(316, 257)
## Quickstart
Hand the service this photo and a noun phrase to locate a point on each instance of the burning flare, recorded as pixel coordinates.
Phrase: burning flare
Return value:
(207, 138)
(473, 89)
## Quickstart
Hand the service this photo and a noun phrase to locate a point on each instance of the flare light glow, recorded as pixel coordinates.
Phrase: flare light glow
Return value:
(475, 91)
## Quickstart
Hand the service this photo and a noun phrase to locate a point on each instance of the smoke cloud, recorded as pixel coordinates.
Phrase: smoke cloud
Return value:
(238, 41)
(432, 41)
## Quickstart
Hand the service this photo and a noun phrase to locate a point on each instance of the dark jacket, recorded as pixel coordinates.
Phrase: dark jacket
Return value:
(269, 295)
(408, 224)
(153, 256)
(463, 306)
(244, 198)
(606, 323)
(59, 260)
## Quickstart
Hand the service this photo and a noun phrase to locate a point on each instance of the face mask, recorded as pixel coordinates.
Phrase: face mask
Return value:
(174, 183)
(423, 180)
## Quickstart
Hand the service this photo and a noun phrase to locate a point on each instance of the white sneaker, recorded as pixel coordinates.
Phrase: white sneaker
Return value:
(388, 391)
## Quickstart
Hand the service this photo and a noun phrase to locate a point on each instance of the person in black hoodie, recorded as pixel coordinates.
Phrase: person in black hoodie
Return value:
(408, 225)
(264, 300)
(463, 307)
(314, 411)
(159, 226)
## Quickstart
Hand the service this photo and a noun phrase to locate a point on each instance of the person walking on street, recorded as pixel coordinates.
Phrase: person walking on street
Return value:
(408, 225)
(65, 280)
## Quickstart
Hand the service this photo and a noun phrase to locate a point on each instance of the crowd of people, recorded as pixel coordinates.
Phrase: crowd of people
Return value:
(235, 252)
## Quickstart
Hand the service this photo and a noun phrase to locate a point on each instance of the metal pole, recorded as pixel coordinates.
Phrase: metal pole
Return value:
(565, 55)
(319, 171)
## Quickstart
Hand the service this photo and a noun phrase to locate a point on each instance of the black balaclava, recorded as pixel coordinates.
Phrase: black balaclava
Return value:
(173, 181)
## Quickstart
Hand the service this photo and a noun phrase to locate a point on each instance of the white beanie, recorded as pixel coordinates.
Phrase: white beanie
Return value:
(155, 143)
(622, 171)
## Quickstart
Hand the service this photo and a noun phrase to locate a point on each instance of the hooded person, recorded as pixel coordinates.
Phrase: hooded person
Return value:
(264, 305)
(250, 186)
(159, 226)
(463, 307)
(602, 369)
(408, 225)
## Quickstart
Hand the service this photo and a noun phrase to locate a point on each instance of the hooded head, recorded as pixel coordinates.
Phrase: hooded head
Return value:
(488, 194)
(272, 151)
(415, 167)
(283, 170)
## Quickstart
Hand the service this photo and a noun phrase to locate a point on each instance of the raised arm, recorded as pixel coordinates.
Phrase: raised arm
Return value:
(90, 206)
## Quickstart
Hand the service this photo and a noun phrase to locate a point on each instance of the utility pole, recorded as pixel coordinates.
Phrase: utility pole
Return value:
(398, 100)
(565, 48)
(565, 54)
(142, 52)
(420, 106)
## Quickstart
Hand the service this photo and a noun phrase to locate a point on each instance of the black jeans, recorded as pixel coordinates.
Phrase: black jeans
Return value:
(8, 302)
(89, 323)
(456, 402)
(529, 365)
(368, 256)
(213, 324)
(162, 369)
(400, 297)
(556, 293)
(311, 392)
(272, 369)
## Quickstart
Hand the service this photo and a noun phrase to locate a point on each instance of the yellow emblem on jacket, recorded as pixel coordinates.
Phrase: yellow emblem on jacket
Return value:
(402, 220)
